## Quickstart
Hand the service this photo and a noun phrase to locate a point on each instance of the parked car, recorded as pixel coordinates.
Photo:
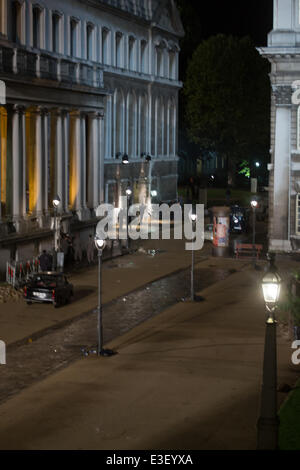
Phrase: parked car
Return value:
(50, 287)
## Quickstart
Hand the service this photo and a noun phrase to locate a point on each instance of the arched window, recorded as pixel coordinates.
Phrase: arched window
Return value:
(16, 21)
(144, 62)
(56, 34)
(172, 127)
(119, 49)
(90, 29)
(131, 125)
(172, 64)
(159, 113)
(105, 46)
(74, 22)
(143, 124)
(119, 107)
(132, 53)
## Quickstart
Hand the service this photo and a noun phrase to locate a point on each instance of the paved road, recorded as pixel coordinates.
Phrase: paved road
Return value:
(61, 345)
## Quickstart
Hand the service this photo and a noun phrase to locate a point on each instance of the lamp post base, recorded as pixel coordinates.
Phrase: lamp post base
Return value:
(107, 352)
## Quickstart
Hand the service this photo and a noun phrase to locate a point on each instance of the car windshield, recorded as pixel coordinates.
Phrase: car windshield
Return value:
(45, 281)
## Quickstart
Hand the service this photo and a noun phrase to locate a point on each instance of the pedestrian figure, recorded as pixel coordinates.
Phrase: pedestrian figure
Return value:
(45, 261)
(90, 249)
(77, 248)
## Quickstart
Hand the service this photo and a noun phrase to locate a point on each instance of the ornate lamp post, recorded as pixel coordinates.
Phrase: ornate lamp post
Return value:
(254, 205)
(100, 245)
(56, 202)
(128, 194)
(194, 298)
(268, 422)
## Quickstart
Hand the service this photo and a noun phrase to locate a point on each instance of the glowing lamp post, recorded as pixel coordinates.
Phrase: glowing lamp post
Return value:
(128, 194)
(56, 203)
(100, 244)
(268, 422)
(254, 205)
(125, 159)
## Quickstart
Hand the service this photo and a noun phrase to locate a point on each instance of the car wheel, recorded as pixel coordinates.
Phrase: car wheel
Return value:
(29, 303)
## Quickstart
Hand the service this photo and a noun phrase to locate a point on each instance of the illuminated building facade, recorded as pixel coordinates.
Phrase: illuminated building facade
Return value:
(87, 82)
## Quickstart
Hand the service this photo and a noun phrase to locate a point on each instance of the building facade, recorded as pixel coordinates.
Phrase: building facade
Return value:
(283, 52)
(87, 83)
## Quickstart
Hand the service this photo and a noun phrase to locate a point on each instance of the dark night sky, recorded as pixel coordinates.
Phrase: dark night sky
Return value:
(205, 18)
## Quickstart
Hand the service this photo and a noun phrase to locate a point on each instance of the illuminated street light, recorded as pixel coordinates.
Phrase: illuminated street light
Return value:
(125, 159)
(194, 298)
(128, 194)
(56, 203)
(254, 205)
(153, 193)
(100, 244)
(268, 422)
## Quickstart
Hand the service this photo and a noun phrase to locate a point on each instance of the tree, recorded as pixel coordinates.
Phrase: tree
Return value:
(227, 95)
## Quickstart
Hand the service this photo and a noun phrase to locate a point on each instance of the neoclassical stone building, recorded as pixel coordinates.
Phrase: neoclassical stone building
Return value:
(283, 52)
(87, 82)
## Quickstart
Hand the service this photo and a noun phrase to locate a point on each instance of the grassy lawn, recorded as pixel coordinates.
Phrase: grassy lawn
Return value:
(289, 430)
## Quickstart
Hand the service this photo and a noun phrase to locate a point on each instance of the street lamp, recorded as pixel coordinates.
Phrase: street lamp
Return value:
(268, 422)
(100, 244)
(125, 159)
(128, 194)
(254, 205)
(56, 203)
(153, 193)
(194, 298)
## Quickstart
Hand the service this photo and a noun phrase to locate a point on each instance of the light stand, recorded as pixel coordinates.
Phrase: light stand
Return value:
(100, 245)
(55, 203)
(268, 422)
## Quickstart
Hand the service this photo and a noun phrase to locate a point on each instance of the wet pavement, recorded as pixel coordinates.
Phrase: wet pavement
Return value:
(61, 345)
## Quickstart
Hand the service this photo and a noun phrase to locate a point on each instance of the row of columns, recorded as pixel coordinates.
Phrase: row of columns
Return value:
(55, 149)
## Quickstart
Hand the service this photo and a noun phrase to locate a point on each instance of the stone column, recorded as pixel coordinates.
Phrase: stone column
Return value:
(92, 160)
(45, 147)
(16, 149)
(38, 166)
(65, 133)
(101, 147)
(75, 161)
(59, 160)
(82, 160)
(280, 220)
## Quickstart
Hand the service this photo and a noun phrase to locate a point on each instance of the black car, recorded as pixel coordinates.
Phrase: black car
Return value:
(48, 287)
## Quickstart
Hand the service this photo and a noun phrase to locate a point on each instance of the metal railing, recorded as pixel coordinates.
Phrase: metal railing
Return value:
(17, 272)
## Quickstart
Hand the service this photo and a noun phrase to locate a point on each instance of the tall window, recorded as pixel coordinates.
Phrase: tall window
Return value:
(159, 61)
(144, 68)
(105, 49)
(55, 32)
(132, 53)
(16, 21)
(73, 37)
(89, 41)
(119, 41)
(172, 64)
(36, 26)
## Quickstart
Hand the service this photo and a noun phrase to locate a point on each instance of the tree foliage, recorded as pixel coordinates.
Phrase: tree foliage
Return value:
(227, 98)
